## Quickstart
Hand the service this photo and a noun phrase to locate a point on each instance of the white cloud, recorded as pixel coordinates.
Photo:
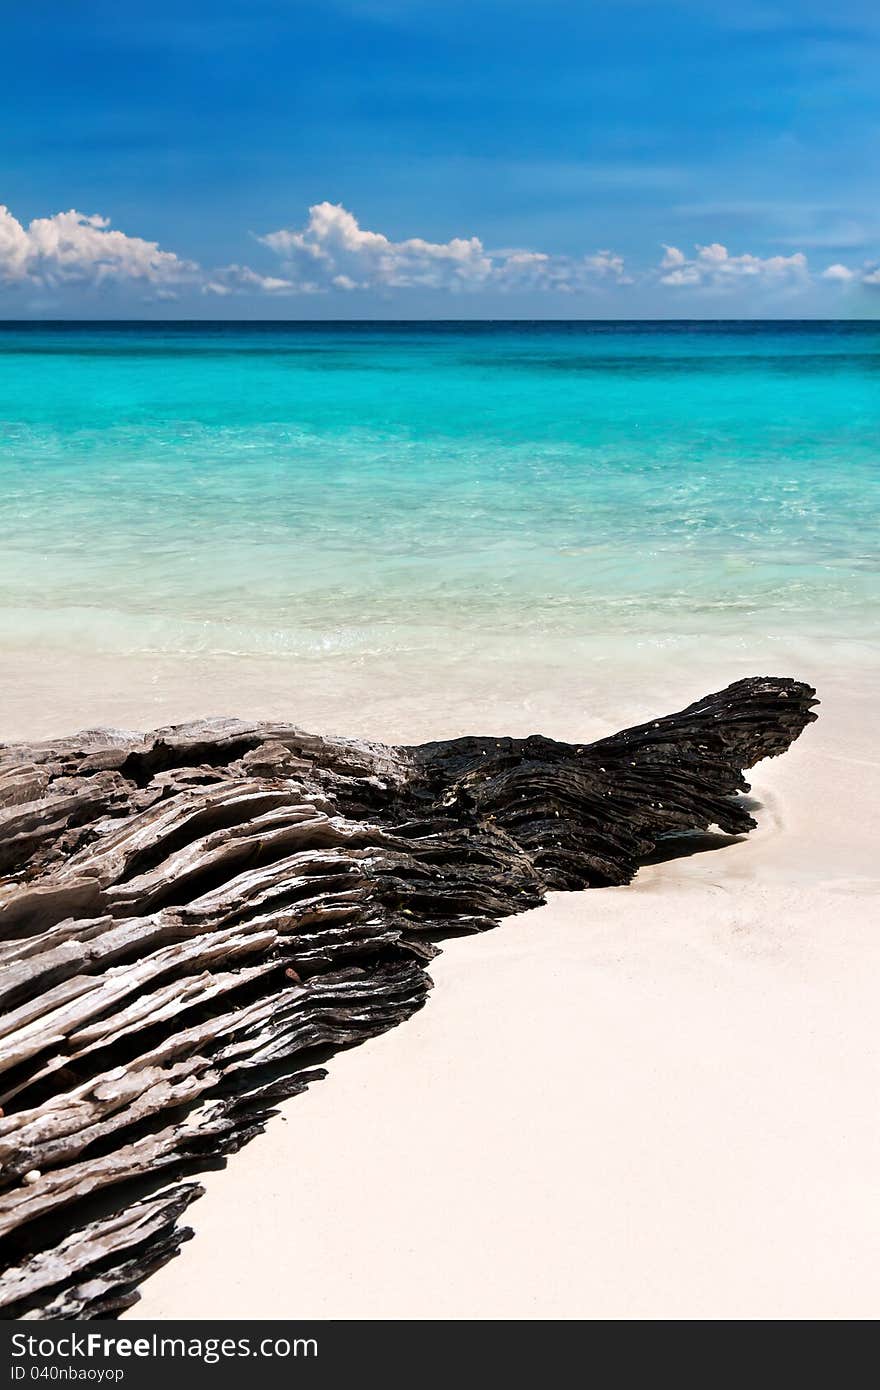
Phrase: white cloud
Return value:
(240, 277)
(72, 247)
(672, 257)
(713, 267)
(838, 272)
(334, 251)
(334, 248)
(866, 274)
(608, 265)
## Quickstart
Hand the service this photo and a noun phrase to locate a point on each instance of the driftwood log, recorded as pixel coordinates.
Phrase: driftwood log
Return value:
(189, 920)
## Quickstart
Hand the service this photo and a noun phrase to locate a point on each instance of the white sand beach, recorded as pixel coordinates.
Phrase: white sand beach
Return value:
(651, 1102)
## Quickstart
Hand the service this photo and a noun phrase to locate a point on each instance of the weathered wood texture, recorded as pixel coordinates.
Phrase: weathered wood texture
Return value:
(190, 919)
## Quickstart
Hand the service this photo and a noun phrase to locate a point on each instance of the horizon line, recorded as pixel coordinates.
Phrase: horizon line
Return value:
(330, 322)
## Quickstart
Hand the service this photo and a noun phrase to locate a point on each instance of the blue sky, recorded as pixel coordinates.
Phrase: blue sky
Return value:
(461, 159)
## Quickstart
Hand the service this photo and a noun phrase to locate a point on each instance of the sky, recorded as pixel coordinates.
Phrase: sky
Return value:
(414, 159)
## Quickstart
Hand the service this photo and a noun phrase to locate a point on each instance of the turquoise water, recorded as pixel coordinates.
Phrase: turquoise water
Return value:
(308, 488)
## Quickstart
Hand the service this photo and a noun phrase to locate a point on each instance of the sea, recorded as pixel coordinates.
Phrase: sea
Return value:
(430, 495)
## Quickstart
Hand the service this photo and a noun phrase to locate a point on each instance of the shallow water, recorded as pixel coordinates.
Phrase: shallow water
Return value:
(390, 490)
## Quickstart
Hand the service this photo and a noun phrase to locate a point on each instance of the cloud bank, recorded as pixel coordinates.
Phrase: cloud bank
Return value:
(333, 251)
(72, 247)
(713, 267)
(333, 254)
